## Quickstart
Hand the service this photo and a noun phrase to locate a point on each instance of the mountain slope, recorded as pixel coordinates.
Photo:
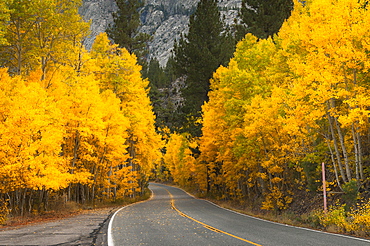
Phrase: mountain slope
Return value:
(166, 20)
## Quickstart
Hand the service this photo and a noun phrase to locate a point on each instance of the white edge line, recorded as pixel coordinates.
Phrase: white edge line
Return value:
(110, 237)
(273, 222)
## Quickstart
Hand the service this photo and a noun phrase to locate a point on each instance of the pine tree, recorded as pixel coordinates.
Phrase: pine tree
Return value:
(197, 55)
(124, 31)
(156, 74)
(158, 85)
(263, 18)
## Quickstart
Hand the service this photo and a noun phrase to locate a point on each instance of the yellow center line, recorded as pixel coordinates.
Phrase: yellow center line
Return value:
(205, 225)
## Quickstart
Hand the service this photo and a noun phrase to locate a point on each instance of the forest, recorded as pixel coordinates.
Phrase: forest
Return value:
(78, 125)
(281, 107)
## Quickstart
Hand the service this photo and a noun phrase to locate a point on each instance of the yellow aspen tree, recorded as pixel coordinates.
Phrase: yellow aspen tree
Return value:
(57, 32)
(246, 128)
(42, 34)
(214, 134)
(179, 160)
(95, 135)
(83, 117)
(118, 71)
(266, 124)
(111, 149)
(278, 103)
(31, 142)
(4, 17)
(331, 38)
(171, 157)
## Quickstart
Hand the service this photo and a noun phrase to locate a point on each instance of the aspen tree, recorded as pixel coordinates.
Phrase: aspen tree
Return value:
(4, 17)
(31, 142)
(119, 71)
(331, 37)
(179, 160)
(41, 34)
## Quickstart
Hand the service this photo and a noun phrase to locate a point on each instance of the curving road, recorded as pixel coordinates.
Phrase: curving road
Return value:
(172, 217)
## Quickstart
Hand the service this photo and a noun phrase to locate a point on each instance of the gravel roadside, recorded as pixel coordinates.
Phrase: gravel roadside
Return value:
(88, 228)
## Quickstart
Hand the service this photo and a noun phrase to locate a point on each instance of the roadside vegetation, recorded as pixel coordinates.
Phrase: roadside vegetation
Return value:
(353, 222)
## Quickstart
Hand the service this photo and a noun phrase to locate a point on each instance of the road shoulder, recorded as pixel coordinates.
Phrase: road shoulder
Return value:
(87, 228)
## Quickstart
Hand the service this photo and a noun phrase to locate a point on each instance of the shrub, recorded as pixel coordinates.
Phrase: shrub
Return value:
(356, 221)
(336, 216)
(359, 219)
(4, 211)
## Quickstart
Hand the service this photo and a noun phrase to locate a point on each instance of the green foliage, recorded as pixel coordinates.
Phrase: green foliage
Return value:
(159, 85)
(310, 170)
(335, 216)
(40, 34)
(156, 75)
(263, 18)
(124, 31)
(350, 190)
(197, 55)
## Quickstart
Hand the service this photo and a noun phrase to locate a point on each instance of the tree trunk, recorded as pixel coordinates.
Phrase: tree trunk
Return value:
(359, 147)
(344, 150)
(334, 165)
(337, 153)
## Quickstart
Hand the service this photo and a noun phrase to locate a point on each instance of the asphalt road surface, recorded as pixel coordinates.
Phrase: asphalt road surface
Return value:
(172, 217)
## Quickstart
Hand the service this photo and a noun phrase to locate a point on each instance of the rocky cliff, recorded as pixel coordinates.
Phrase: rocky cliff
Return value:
(99, 13)
(166, 20)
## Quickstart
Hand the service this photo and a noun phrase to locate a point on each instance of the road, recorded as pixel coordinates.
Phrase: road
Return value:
(172, 217)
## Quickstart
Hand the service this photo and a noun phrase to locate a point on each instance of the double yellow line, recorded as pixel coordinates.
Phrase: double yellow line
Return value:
(205, 225)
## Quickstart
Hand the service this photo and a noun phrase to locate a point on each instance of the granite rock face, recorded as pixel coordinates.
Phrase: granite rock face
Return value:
(166, 20)
(99, 13)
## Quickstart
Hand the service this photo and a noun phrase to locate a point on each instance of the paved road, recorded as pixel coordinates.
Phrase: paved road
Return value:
(172, 217)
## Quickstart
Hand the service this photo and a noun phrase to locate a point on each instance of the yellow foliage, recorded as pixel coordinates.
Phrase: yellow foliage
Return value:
(276, 200)
(269, 110)
(31, 137)
(3, 212)
(357, 220)
(179, 160)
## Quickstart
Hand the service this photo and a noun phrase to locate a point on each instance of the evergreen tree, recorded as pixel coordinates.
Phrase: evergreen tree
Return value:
(169, 70)
(124, 31)
(158, 84)
(156, 74)
(197, 55)
(263, 18)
